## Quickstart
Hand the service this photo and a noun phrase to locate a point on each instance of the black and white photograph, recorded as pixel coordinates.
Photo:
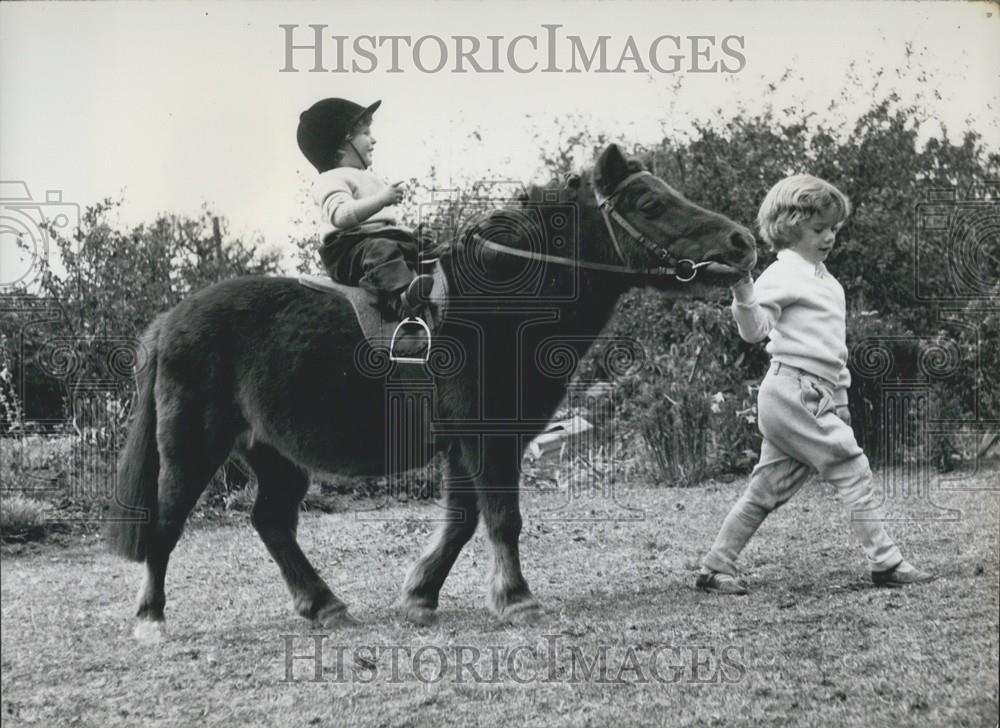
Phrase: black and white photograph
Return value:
(499, 363)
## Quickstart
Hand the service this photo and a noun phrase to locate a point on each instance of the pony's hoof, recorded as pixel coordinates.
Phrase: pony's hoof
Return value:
(336, 618)
(417, 614)
(528, 613)
(150, 631)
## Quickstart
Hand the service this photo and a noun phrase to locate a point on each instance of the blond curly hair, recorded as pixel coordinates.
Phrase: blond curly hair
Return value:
(793, 200)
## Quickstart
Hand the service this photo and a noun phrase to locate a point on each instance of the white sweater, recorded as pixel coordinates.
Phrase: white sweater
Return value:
(801, 308)
(337, 191)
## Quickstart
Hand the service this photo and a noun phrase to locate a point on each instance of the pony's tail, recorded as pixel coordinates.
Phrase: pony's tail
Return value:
(134, 509)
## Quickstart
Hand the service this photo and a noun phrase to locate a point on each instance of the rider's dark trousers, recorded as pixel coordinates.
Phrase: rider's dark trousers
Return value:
(381, 261)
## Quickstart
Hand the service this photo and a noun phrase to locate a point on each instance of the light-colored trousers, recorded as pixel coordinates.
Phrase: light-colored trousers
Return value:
(803, 435)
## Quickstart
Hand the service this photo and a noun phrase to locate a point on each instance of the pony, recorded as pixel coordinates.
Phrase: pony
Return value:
(282, 377)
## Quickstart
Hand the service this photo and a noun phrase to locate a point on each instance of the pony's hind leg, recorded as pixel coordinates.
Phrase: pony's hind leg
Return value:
(423, 584)
(509, 596)
(281, 485)
(187, 462)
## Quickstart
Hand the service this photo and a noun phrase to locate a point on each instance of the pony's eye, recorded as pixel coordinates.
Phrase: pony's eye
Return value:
(651, 207)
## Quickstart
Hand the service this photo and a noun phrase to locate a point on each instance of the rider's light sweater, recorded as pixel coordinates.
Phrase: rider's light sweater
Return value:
(801, 308)
(337, 192)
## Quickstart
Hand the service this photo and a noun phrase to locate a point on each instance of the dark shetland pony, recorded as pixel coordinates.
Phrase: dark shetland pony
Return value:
(269, 369)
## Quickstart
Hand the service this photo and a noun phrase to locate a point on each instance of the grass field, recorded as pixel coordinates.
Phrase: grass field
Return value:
(814, 643)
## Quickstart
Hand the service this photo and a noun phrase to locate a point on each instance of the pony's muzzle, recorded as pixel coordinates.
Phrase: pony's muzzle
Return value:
(742, 249)
(742, 240)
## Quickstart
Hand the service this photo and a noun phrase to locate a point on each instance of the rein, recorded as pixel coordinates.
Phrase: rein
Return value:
(684, 270)
(601, 267)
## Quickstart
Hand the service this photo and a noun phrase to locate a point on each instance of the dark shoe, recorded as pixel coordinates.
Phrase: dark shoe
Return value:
(719, 583)
(416, 296)
(895, 578)
(410, 346)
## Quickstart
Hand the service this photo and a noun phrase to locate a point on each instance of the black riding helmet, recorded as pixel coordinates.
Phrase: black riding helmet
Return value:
(324, 127)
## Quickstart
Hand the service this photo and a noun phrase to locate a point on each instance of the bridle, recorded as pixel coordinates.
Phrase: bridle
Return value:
(683, 270)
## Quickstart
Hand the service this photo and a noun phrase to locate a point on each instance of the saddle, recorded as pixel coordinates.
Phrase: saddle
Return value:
(408, 340)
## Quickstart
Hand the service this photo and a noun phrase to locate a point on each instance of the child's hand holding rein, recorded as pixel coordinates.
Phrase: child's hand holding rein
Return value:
(743, 289)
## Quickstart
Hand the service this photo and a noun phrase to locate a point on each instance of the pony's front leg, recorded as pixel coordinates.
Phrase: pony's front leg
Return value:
(509, 596)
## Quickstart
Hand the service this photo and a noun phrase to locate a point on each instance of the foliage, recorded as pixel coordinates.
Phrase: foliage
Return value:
(879, 164)
(988, 355)
(11, 414)
(693, 399)
(22, 518)
(80, 324)
(67, 347)
(117, 280)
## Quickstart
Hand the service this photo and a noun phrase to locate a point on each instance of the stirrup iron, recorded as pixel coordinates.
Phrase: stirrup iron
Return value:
(408, 321)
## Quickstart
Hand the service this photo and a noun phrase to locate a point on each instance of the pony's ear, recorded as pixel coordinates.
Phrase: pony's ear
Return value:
(571, 187)
(611, 168)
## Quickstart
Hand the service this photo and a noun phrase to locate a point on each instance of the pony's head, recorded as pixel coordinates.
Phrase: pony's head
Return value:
(617, 226)
(652, 226)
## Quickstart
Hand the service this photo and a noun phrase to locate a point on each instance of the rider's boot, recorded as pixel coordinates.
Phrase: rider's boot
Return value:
(412, 339)
(415, 296)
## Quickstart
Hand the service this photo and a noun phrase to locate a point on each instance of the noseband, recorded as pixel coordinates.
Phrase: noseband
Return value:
(683, 270)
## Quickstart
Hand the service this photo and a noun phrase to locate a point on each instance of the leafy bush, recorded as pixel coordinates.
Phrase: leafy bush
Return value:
(883, 353)
(28, 461)
(941, 379)
(79, 325)
(693, 400)
(22, 519)
(676, 434)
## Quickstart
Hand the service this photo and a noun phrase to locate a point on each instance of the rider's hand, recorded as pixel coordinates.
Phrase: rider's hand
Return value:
(844, 413)
(426, 236)
(393, 194)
